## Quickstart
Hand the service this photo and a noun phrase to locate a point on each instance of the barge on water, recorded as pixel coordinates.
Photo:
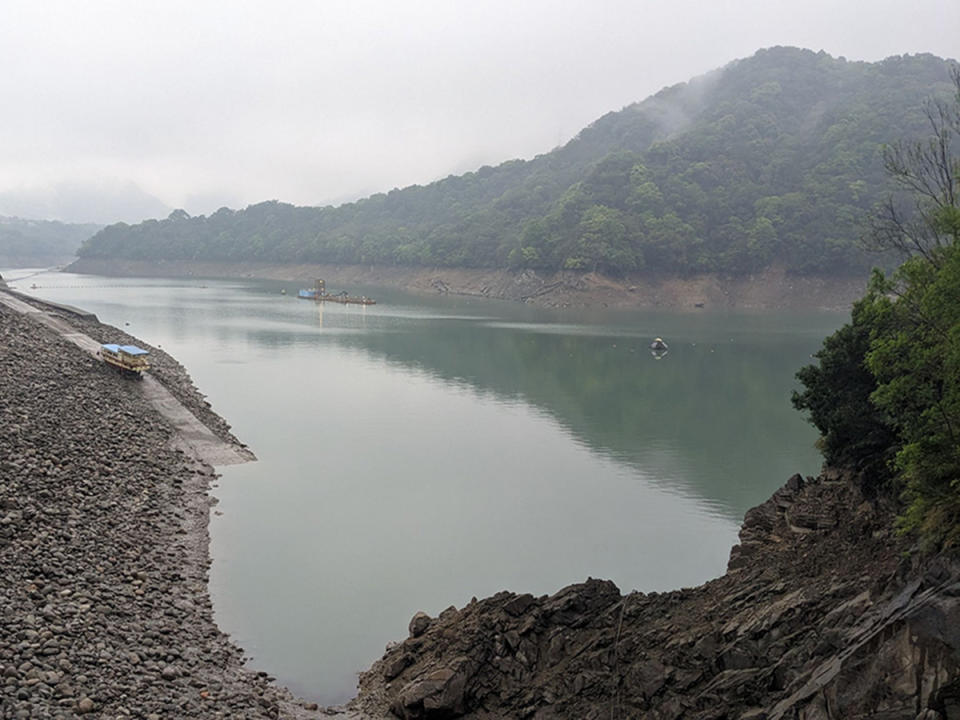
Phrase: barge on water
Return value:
(129, 360)
(318, 293)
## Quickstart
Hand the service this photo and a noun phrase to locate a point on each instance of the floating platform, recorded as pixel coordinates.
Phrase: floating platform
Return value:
(342, 298)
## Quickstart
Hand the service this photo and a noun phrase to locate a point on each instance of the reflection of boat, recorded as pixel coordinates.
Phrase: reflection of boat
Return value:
(345, 299)
(319, 294)
(659, 354)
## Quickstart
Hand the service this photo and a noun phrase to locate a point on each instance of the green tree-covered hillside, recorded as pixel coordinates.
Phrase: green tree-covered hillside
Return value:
(773, 159)
(885, 390)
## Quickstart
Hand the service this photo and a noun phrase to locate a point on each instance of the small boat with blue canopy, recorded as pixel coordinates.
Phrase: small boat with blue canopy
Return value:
(128, 359)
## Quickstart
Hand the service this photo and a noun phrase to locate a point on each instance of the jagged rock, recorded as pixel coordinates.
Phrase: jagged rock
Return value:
(804, 613)
(396, 664)
(649, 678)
(436, 695)
(419, 624)
(519, 605)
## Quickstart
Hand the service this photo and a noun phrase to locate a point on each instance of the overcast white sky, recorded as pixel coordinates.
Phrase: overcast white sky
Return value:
(204, 104)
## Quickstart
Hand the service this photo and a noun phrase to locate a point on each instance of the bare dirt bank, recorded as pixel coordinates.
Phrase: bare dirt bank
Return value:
(772, 289)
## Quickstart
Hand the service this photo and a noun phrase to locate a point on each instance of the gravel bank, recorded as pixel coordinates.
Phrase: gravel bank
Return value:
(163, 366)
(104, 607)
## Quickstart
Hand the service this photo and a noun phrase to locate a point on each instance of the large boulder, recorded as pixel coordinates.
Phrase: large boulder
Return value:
(419, 624)
(439, 694)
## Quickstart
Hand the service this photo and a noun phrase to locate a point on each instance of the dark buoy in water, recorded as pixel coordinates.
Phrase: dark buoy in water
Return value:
(658, 348)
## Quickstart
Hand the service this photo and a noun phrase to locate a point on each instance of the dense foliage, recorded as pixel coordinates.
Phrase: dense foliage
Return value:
(773, 159)
(41, 239)
(837, 394)
(886, 392)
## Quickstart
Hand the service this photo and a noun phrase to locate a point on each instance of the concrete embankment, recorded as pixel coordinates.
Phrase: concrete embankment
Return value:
(104, 506)
(29, 299)
(772, 289)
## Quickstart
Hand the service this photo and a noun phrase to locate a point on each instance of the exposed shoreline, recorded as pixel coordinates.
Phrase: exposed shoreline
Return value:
(104, 512)
(771, 289)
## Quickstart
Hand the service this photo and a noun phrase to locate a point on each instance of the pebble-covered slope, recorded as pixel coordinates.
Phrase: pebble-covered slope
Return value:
(103, 551)
(163, 366)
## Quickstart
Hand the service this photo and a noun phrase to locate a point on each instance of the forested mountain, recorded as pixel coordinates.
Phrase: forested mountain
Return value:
(773, 159)
(40, 241)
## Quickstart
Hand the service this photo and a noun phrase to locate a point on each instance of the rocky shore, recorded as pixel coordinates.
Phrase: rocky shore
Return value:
(822, 615)
(104, 609)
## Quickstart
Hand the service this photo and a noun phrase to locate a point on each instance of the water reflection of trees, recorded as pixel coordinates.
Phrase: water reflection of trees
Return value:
(715, 420)
(711, 418)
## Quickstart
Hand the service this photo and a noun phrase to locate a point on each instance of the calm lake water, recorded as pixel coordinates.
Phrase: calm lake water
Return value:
(422, 451)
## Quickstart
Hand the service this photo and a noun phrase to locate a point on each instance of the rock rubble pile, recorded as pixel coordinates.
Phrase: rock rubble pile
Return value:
(819, 617)
(104, 609)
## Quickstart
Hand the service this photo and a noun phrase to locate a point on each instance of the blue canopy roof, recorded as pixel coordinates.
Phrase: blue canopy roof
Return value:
(128, 349)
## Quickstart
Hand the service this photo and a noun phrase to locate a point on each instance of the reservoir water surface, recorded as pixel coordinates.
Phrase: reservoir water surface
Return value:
(425, 450)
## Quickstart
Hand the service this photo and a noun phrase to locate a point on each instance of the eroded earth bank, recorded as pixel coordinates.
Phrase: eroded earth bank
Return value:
(771, 289)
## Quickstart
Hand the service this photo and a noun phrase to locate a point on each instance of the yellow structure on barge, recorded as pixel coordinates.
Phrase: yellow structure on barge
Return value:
(128, 359)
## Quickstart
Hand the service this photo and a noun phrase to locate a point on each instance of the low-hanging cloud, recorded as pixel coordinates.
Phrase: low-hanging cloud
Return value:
(210, 103)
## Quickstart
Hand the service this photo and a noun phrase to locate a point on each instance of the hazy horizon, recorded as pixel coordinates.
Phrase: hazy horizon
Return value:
(121, 112)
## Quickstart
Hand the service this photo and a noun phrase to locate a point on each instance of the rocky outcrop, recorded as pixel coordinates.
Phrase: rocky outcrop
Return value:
(820, 616)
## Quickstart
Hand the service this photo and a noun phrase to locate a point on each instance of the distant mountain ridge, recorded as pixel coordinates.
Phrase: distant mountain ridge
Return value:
(41, 242)
(101, 202)
(773, 160)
